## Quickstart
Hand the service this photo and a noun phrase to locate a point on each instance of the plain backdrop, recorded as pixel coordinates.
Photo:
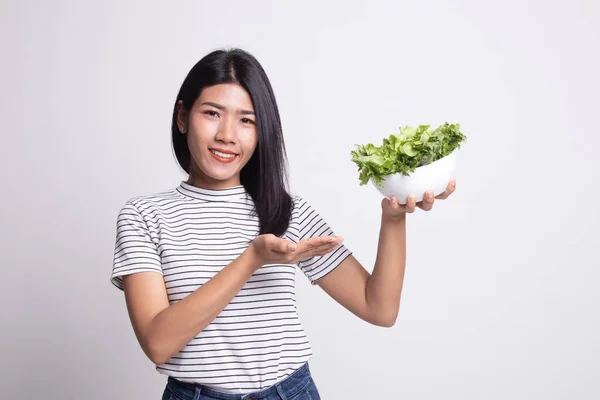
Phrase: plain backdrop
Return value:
(501, 294)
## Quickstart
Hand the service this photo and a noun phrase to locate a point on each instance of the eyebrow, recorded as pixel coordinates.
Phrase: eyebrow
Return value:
(223, 108)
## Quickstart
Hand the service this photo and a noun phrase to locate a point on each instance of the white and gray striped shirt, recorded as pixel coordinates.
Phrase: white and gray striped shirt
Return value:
(188, 235)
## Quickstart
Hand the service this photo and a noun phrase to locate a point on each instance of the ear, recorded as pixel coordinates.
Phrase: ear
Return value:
(182, 117)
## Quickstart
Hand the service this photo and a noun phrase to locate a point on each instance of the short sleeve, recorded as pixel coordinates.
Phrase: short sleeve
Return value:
(134, 249)
(311, 224)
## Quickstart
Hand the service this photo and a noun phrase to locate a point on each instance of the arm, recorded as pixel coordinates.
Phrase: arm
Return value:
(161, 329)
(374, 297)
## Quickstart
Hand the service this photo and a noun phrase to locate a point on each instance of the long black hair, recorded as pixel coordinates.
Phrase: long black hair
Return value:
(265, 175)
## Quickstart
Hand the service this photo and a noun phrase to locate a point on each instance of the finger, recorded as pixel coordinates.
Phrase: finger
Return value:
(393, 203)
(411, 203)
(397, 206)
(322, 250)
(284, 246)
(427, 203)
(322, 242)
(449, 190)
(319, 250)
(311, 247)
(319, 240)
(305, 251)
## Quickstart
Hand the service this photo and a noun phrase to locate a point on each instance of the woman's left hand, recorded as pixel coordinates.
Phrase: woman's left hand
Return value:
(394, 210)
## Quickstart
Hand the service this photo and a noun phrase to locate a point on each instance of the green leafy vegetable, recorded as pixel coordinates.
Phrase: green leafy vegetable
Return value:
(406, 151)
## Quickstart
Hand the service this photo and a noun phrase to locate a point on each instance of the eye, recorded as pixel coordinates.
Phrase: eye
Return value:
(247, 121)
(211, 113)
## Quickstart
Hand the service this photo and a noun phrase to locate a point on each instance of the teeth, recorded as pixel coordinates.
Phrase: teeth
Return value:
(224, 155)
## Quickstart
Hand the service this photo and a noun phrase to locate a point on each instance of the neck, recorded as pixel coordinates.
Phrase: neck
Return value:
(201, 180)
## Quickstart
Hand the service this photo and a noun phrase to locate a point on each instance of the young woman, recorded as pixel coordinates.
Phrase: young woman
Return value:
(208, 267)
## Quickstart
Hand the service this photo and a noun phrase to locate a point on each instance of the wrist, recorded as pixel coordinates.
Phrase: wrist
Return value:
(251, 257)
(398, 219)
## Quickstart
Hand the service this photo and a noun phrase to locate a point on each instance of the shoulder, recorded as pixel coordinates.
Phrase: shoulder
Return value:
(296, 199)
(147, 203)
(299, 202)
(303, 208)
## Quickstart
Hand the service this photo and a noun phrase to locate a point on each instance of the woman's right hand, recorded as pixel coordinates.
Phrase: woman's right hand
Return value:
(270, 249)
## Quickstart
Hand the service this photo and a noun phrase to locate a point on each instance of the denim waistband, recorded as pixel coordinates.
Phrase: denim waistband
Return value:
(286, 389)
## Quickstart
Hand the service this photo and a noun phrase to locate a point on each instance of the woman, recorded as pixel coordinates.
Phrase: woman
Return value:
(208, 268)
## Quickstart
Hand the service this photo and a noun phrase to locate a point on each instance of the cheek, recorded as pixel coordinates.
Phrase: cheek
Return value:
(249, 141)
(201, 131)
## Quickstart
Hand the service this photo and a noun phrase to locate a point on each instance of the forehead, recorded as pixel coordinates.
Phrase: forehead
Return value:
(230, 95)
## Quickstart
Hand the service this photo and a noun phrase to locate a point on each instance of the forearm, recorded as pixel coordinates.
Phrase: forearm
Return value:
(384, 287)
(179, 323)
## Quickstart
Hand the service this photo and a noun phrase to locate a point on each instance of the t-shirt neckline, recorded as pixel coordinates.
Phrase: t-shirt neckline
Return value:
(195, 192)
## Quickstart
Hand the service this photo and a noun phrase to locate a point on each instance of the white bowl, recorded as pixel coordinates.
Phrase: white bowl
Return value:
(434, 176)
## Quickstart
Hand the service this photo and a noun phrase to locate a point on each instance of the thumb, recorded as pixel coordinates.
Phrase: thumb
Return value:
(291, 246)
(284, 246)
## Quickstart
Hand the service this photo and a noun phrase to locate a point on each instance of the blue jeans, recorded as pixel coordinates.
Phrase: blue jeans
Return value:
(298, 386)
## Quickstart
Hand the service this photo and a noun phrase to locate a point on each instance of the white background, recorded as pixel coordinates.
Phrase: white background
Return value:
(501, 291)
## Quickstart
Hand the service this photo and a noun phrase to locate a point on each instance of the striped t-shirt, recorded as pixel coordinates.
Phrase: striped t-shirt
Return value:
(188, 235)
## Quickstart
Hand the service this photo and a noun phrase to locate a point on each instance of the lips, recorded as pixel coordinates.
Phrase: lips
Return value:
(224, 156)
(222, 150)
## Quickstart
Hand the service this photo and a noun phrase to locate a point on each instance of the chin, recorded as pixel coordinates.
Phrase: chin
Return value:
(215, 173)
(219, 176)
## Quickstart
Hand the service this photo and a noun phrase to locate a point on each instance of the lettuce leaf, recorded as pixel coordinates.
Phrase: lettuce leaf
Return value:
(404, 152)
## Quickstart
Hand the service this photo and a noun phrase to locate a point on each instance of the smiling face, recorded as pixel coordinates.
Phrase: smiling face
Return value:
(221, 135)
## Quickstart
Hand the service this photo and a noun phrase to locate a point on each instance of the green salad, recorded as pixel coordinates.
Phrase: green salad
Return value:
(406, 151)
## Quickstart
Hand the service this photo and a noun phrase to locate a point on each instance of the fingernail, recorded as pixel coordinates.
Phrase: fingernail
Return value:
(291, 247)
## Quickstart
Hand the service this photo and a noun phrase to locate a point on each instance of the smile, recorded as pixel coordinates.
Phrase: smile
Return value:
(223, 157)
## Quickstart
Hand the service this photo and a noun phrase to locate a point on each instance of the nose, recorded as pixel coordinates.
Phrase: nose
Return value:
(226, 132)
